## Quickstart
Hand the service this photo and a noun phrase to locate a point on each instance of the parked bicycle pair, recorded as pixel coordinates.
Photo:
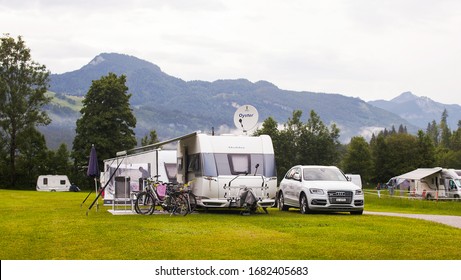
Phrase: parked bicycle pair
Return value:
(166, 197)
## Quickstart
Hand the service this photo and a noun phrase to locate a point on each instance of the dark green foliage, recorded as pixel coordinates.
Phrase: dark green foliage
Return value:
(318, 144)
(33, 158)
(302, 143)
(106, 121)
(357, 159)
(23, 84)
(149, 140)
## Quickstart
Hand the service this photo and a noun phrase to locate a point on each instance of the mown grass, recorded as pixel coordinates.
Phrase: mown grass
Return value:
(40, 225)
(405, 204)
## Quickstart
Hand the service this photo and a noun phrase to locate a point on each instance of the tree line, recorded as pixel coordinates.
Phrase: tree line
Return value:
(107, 121)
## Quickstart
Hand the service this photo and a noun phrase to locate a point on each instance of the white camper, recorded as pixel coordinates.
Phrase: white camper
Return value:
(220, 168)
(421, 182)
(355, 178)
(132, 169)
(53, 183)
(452, 183)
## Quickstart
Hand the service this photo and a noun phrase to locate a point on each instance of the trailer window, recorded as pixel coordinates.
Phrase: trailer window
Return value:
(269, 166)
(45, 181)
(239, 163)
(235, 164)
(209, 165)
(62, 182)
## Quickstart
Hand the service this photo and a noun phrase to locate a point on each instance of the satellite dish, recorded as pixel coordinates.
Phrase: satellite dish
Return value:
(246, 117)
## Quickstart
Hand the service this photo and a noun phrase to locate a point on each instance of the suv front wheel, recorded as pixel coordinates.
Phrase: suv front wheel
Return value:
(304, 205)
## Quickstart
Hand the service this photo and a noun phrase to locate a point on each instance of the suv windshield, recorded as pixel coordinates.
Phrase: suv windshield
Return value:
(322, 174)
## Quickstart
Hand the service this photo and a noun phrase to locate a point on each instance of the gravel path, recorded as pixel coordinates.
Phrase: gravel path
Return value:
(454, 221)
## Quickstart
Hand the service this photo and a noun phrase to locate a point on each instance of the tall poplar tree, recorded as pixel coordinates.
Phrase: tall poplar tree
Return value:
(23, 84)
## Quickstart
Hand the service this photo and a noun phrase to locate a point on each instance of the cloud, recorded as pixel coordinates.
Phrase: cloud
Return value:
(367, 48)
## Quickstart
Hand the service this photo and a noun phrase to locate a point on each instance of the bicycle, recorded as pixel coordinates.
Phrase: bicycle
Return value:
(161, 194)
(189, 196)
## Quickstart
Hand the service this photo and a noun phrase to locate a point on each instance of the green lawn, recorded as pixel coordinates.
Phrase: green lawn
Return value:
(41, 225)
(410, 205)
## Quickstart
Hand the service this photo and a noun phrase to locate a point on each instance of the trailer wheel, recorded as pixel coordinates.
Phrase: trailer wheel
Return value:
(428, 196)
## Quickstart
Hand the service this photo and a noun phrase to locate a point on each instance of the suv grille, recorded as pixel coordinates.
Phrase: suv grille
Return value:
(340, 197)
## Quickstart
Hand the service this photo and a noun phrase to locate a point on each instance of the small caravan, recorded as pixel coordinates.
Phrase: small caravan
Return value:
(53, 183)
(220, 168)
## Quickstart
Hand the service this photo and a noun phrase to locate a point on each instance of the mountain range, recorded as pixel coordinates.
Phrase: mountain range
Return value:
(420, 110)
(175, 107)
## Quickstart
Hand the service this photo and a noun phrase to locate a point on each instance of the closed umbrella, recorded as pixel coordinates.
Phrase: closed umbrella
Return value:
(93, 171)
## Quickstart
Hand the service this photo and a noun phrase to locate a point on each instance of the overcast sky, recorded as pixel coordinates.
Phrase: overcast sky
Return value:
(366, 48)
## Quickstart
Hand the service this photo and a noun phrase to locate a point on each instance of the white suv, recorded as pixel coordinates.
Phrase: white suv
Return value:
(319, 188)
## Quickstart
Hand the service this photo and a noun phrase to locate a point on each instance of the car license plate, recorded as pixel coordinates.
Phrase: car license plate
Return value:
(341, 200)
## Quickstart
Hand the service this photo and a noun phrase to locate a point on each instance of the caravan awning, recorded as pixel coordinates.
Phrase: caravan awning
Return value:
(419, 173)
(155, 146)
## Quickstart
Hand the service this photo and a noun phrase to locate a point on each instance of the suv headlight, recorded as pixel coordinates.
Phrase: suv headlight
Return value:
(316, 191)
(358, 192)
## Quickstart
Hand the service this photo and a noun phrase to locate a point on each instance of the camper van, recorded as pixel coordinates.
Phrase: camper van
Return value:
(452, 183)
(125, 174)
(53, 183)
(220, 169)
(421, 182)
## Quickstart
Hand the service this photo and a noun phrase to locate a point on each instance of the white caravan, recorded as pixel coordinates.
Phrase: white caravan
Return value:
(53, 183)
(452, 183)
(132, 169)
(220, 168)
(421, 182)
(355, 178)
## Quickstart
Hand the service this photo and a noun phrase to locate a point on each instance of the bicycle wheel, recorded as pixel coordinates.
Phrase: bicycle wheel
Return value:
(192, 201)
(145, 203)
(179, 205)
